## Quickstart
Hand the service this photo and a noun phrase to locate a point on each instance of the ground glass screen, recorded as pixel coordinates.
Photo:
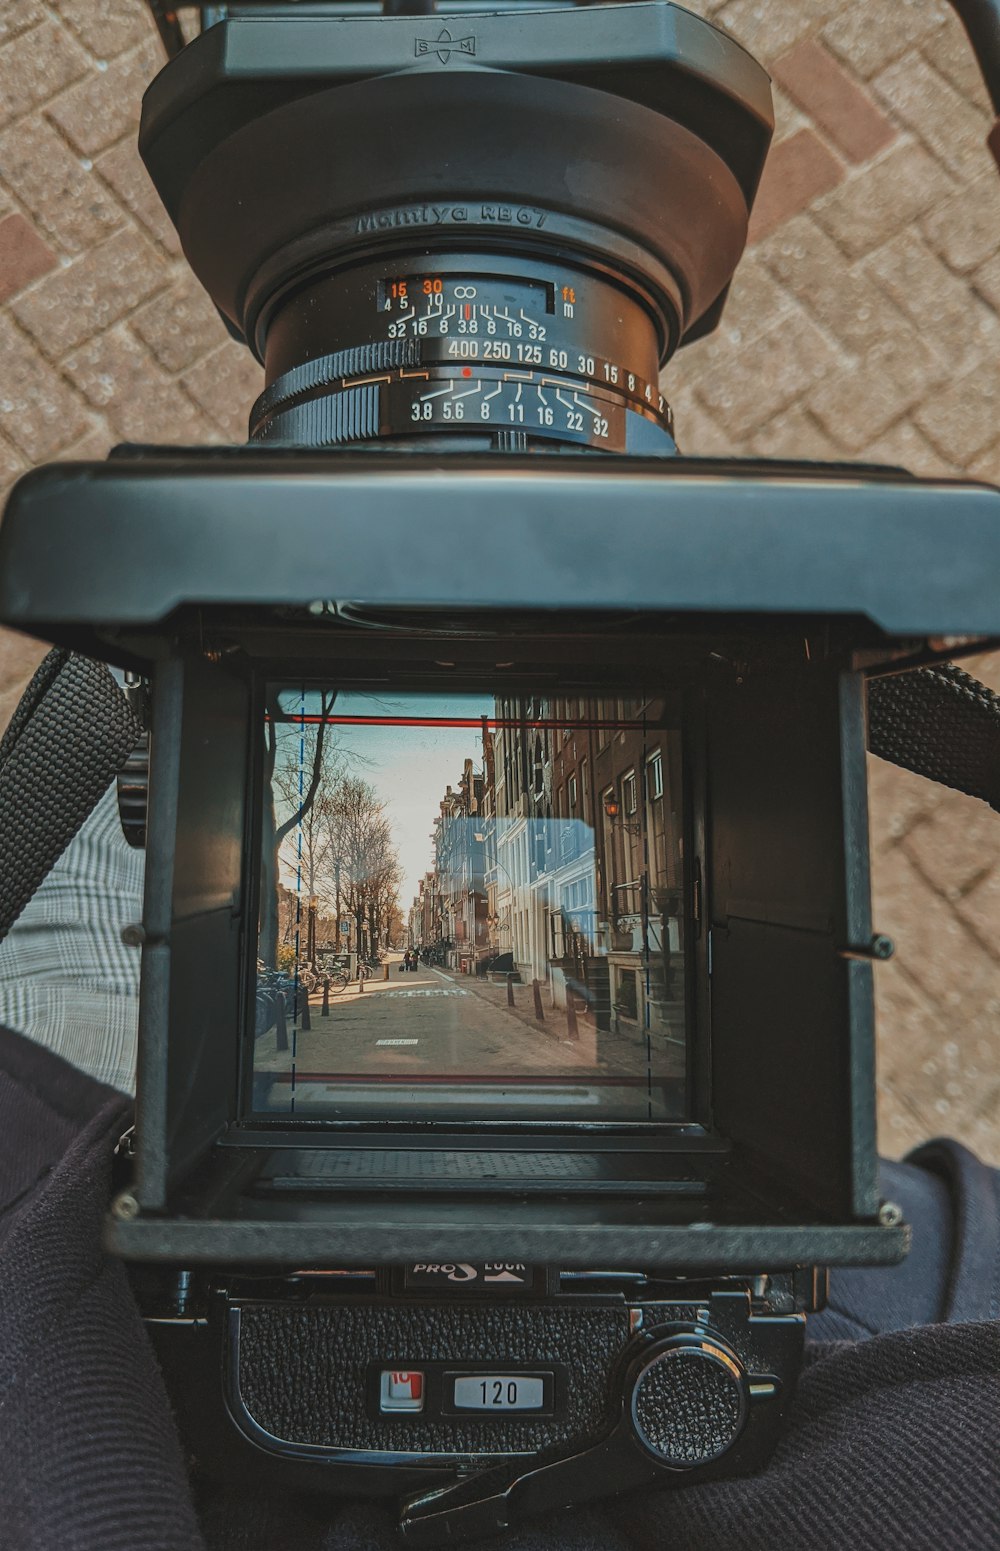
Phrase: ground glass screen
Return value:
(471, 908)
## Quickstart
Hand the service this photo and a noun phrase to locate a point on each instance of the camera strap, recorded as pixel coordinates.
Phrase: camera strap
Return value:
(69, 736)
(941, 723)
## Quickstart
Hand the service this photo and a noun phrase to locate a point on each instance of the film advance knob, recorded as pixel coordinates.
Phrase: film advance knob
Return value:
(689, 1400)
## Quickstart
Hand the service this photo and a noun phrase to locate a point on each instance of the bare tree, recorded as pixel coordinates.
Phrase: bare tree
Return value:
(275, 832)
(360, 839)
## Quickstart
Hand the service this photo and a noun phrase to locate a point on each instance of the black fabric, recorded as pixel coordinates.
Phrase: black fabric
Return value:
(941, 723)
(89, 1460)
(893, 1441)
(68, 737)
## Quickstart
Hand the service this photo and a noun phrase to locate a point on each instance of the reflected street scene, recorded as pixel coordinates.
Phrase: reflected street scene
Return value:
(472, 908)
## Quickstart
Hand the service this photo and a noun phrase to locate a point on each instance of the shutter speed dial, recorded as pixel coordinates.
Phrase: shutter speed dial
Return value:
(501, 353)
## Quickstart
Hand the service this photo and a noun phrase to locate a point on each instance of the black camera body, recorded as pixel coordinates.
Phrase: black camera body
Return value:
(542, 1389)
(543, 1222)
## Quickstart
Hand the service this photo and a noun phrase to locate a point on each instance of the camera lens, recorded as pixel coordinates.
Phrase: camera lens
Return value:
(466, 350)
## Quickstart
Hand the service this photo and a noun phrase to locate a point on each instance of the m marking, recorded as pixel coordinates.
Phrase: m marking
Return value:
(444, 45)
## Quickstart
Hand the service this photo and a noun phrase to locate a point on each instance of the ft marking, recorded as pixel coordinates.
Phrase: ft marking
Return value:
(569, 300)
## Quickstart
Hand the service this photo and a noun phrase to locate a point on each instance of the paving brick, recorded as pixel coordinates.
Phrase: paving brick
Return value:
(986, 465)
(891, 378)
(819, 84)
(769, 27)
(11, 464)
(19, 657)
(979, 906)
(787, 117)
(956, 847)
(874, 204)
(986, 281)
(18, 17)
(965, 229)
(797, 172)
(985, 666)
(904, 446)
(963, 418)
(900, 1127)
(106, 27)
(118, 376)
(795, 434)
(70, 202)
(932, 1077)
(180, 325)
(92, 447)
(922, 286)
(38, 411)
(952, 56)
(869, 35)
(755, 301)
(846, 301)
(947, 123)
(24, 256)
(767, 375)
(90, 295)
(225, 385)
(897, 800)
(698, 435)
(105, 106)
(123, 170)
(931, 940)
(38, 65)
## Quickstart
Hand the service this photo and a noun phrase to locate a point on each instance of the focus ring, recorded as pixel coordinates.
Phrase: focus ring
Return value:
(352, 415)
(376, 356)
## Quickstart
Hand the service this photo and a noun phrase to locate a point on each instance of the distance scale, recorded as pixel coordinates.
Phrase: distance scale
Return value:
(529, 324)
(502, 359)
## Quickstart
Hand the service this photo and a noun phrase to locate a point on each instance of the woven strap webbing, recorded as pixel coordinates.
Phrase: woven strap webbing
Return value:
(941, 723)
(71, 733)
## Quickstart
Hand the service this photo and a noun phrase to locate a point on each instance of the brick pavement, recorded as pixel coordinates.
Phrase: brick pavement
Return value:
(862, 323)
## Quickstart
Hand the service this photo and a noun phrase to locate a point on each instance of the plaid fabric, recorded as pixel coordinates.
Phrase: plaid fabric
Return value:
(67, 980)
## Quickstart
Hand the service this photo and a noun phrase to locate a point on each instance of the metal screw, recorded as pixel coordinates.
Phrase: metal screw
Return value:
(133, 935)
(890, 1215)
(125, 1207)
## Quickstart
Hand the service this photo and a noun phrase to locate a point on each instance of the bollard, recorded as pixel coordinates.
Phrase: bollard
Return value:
(510, 989)
(572, 1032)
(281, 1026)
(304, 1023)
(325, 1012)
(361, 981)
(536, 991)
(385, 973)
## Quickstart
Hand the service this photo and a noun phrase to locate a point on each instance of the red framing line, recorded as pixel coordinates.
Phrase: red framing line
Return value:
(455, 721)
(375, 1078)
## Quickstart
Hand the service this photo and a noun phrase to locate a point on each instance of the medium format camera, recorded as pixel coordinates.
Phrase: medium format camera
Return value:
(506, 1034)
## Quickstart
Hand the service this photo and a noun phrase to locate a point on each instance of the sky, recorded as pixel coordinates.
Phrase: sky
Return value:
(409, 767)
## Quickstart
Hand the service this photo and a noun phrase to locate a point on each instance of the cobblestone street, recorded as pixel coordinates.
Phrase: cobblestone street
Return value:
(862, 324)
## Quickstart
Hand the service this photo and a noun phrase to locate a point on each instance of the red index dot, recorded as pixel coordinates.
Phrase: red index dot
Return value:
(466, 371)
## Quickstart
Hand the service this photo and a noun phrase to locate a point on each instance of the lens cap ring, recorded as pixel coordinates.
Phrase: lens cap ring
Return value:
(300, 176)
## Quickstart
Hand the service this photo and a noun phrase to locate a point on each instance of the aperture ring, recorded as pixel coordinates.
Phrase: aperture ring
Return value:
(350, 415)
(330, 370)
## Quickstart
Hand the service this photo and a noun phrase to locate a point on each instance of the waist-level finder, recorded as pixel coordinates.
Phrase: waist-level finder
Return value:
(506, 1036)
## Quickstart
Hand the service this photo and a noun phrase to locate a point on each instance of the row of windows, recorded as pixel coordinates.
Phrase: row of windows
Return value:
(628, 786)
